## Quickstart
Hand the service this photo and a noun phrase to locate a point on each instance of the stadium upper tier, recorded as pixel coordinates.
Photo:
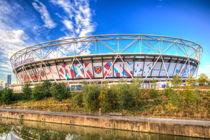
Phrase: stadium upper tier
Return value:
(107, 56)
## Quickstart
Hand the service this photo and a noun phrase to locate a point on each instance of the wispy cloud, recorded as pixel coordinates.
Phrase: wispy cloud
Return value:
(69, 24)
(11, 39)
(45, 16)
(78, 21)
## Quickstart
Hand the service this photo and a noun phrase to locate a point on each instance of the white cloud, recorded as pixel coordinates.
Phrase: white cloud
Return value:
(69, 25)
(11, 39)
(78, 21)
(45, 16)
(79, 13)
(66, 5)
(10, 42)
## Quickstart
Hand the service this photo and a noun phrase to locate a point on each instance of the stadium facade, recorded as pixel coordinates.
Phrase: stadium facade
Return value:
(107, 57)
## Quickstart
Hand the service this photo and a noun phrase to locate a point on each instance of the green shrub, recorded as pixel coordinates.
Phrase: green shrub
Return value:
(77, 99)
(6, 96)
(46, 88)
(27, 91)
(191, 96)
(126, 99)
(176, 80)
(108, 99)
(153, 93)
(136, 93)
(168, 91)
(17, 96)
(59, 91)
(38, 93)
(90, 98)
(175, 98)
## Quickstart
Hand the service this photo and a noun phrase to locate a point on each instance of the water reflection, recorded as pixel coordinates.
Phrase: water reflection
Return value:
(11, 129)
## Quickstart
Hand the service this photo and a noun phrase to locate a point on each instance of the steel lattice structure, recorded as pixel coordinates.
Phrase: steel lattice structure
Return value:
(105, 57)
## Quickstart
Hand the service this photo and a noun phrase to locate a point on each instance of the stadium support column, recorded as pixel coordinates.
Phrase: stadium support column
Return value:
(92, 67)
(113, 67)
(143, 66)
(160, 69)
(43, 70)
(164, 66)
(169, 65)
(50, 71)
(57, 69)
(65, 71)
(102, 66)
(152, 64)
(82, 63)
(175, 66)
(133, 65)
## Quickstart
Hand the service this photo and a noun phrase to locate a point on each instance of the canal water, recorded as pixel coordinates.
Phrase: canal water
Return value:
(11, 129)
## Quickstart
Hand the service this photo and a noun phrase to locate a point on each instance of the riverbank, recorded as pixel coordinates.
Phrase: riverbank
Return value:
(192, 128)
(50, 131)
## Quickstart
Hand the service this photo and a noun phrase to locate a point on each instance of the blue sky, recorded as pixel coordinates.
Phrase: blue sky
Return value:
(27, 22)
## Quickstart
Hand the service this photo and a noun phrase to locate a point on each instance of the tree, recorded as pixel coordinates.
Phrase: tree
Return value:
(126, 98)
(90, 98)
(176, 81)
(108, 99)
(77, 99)
(203, 79)
(59, 91)
(153, 93)
(46, 88)
(6, 96)
(38, 93)
(190, 80)
(27, 91)
(137, 81)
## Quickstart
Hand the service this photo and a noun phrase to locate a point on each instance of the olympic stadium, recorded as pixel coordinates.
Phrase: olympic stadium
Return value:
(107, 58)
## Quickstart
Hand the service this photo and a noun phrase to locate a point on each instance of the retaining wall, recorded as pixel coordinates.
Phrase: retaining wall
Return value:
(191, 128)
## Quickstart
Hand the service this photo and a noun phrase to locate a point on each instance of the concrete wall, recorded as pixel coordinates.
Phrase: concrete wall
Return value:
(122, 123)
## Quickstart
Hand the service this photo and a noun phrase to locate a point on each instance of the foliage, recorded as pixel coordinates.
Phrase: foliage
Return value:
(90, 98)
(191, 96)
(126, 99)
(153, 93)
(17, 97)
(77, 99)
(176, 80)
(153, 83)
(6, 96)
(38, 93)
(137, 81)
(108, 99)
(175, 98)
(191, 80)
(27, 91)
(203, 79)
(46, 88)
(135, 92)
(59, 91)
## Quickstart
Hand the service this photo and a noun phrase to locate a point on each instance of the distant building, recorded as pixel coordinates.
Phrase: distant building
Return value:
(9, 79)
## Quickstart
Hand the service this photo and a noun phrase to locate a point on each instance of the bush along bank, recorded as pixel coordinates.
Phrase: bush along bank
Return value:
(123, 98)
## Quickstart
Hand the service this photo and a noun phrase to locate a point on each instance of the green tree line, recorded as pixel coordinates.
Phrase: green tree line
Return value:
(108, 98)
